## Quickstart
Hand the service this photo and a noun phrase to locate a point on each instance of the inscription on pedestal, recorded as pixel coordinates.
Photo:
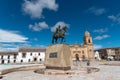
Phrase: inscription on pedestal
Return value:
(53, 55)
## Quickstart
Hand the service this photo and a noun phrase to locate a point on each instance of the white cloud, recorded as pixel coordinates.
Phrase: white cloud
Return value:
(115, 18)
(11, 36)
(101, 30)
(38, 26)
(97, 47)
(40, 46)
(8, 49)
(12, 47)
(61, 23)
(25, 45)
(112, 17)
(101, 37)
(35, 39)
(8, 44)
(96, 11)
(35, 8)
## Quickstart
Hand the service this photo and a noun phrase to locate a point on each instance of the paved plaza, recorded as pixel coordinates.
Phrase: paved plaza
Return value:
(107, 72)
(8, 66)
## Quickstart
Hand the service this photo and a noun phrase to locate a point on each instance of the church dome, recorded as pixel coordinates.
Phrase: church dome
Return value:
(87, 33)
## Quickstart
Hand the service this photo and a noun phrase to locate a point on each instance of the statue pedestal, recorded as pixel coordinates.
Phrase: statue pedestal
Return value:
(58, 56)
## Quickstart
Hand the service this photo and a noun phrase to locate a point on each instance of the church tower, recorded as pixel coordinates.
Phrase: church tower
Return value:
(87, 38)
(89, 44)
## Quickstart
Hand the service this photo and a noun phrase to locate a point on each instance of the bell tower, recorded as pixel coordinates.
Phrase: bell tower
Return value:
(87, 38)
(88, 44)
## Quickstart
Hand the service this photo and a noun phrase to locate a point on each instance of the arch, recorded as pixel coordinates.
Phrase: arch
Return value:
(14, 61)
(35, 59)
(2, 62)
(89, 40)
(83, 57)
(21, 61)
(77, 57)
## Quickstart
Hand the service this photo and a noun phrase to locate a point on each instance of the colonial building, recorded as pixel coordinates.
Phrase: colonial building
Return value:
(85, 51)
(24, 55)
(109, 52)
(29, 55)
(117, 53)
(8, 57)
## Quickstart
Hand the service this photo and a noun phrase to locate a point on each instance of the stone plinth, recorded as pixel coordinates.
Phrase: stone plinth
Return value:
(58, 57)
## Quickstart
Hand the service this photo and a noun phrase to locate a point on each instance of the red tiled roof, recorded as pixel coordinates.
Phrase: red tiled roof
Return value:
(7, 53)
(31, 50)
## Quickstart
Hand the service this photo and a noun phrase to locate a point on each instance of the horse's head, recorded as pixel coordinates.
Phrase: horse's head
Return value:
(65, 28)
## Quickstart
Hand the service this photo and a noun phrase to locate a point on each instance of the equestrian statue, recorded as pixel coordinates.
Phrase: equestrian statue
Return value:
(59, 34)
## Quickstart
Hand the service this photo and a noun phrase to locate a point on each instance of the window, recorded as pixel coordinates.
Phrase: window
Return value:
(1, 56)
(29, 60)
(8, 56)
(40, 59)
(89, 41)
(39, 54)
(24, 55)
(14, 56)
(31, 54)
(8, 61)
(14, 61)
(2, 62)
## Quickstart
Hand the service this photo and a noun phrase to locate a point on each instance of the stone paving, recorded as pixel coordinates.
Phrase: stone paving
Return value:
(106, 73)
(8, 66)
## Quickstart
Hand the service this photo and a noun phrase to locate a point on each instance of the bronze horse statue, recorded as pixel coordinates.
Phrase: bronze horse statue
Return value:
(59, 34)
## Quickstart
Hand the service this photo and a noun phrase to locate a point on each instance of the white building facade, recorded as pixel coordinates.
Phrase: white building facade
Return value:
(24, 55)
(31, 55)
(8, 57)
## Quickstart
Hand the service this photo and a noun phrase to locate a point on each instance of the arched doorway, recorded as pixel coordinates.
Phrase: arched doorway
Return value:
(77, 57)
(8, 61)
(83, 57)
(2, 62)
(35, 59)
(21, 61)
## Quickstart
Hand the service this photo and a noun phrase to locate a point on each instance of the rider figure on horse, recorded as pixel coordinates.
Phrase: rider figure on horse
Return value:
(58, 29)
(59, 34)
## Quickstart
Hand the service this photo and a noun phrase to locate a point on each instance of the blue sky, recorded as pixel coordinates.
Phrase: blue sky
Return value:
(31, 23)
